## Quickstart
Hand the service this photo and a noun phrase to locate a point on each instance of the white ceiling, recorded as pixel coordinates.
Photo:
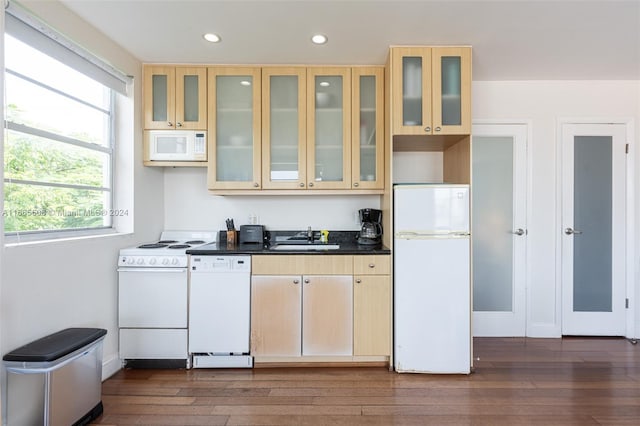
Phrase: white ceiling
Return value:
(511, 39)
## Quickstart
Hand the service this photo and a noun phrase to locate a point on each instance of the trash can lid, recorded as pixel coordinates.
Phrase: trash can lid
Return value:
(56, 345)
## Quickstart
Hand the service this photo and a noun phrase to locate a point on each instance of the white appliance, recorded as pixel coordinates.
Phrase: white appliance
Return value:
(219, 311)
(176, 145)
(432, 283)
(153, 299)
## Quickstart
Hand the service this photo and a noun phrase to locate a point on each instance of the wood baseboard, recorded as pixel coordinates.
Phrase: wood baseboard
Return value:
(317, 361)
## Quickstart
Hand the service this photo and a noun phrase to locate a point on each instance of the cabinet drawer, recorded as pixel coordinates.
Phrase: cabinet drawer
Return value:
(302, 265)
(277, 265)
(372, 265)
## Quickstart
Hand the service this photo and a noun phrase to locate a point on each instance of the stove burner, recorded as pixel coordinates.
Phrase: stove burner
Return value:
(152, 246)
(167, 241)
(179, 246)
(195, 242)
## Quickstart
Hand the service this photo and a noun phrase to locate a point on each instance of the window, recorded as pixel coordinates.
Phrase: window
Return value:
(58, 140)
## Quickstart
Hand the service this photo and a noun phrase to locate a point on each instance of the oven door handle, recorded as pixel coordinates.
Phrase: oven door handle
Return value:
(152, 270)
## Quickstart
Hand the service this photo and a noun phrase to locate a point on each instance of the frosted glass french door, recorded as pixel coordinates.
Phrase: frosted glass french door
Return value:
(499, 229)
(593, 229)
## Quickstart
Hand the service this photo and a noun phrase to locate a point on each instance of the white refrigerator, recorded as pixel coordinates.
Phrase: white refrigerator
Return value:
(432, 283)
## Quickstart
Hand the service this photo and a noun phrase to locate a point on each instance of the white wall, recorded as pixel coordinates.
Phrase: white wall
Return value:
(46, 287)
(545, 102)
(188, 205)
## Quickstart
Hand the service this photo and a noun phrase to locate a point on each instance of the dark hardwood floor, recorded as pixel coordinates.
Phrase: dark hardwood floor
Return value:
(517, 381)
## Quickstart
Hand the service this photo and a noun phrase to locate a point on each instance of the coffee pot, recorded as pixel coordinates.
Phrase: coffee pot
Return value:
(371, 231)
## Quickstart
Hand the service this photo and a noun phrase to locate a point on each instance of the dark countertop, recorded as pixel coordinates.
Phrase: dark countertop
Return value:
(346, 239)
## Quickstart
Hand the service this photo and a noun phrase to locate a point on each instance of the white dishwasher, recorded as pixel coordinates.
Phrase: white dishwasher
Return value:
(220, 311)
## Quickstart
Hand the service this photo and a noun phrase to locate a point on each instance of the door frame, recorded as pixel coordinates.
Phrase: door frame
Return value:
(630, 268)
(528, 205)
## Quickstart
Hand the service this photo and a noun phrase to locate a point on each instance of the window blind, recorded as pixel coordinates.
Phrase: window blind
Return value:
(24, 26)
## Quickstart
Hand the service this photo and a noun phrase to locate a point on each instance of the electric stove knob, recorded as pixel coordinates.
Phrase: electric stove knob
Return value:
(152, 261)
(174, 261)
(130, 261)
(165, 261)
(140, 261)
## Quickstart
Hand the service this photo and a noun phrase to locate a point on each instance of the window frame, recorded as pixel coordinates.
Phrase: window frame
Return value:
(110, 147)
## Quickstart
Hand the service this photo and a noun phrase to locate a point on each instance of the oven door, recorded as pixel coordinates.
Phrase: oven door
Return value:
(152, 297)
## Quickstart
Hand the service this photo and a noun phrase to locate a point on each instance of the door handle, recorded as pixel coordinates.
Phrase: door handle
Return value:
(570, 231)
(519, 231)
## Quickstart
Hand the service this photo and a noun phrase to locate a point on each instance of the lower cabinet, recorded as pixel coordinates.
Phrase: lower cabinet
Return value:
(372, 305)
(327, 315)
(321, 308)
(372, 315)
(276, 315)
(308, 315)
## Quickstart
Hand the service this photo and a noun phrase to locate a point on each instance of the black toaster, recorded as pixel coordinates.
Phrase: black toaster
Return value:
(251, 234)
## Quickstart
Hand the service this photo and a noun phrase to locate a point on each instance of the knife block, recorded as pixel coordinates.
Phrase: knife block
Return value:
(232, 239)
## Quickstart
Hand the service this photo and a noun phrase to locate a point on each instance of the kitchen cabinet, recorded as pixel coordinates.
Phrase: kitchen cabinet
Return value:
(431, 90)
(329, 127)
(372, 305)
(234, 95)
(327, 315)
(321, 308)
(367, 140)
(322, 131)
(276, 315)
(284, 109)
(175, 97)
(301, 306)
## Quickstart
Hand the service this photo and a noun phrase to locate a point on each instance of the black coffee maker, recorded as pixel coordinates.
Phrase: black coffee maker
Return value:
(371, 231)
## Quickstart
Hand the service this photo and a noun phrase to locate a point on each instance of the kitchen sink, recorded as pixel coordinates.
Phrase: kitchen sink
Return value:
(305, 247)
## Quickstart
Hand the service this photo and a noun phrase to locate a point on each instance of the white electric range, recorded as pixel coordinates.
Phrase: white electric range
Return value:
(153, 293)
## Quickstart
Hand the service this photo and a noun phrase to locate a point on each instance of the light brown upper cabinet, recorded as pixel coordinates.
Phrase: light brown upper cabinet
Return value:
(431, 90)
(328, 128)
(175, 97)
(284, 131)
(367, 128)
(289, 128)
(234, 128)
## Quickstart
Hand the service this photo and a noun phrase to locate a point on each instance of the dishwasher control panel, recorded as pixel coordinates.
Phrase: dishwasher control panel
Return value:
(220, 264)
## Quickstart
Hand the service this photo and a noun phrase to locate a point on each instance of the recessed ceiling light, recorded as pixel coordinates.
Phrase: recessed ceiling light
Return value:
(213, 38)
(324, 83)
(319, 39)
(245, 83)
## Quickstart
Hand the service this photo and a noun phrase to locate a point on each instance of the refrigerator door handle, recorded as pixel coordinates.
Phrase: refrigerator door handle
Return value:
(412, 235)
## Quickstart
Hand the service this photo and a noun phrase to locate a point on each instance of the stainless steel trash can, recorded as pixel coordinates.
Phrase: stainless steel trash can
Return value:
(55, 380)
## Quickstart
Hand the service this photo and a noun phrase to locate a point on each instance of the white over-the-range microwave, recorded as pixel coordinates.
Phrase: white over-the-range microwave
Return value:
(176, 145)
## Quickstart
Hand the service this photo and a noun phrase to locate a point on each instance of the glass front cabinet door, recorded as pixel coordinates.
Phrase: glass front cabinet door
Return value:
(367, 128)
(175, 97)
(234, 128)
(328, 128)
(284, 128)
(431, 90)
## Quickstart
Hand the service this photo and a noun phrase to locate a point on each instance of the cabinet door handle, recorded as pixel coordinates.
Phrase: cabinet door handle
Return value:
(358, 280)
(296, 281)
(372, 265)
(178, 124)
(170, 124)
(356, 184)
(310, 183)
(255, 184)
(427, 129)
(438, 129)
(301, 184)
(307, 281)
